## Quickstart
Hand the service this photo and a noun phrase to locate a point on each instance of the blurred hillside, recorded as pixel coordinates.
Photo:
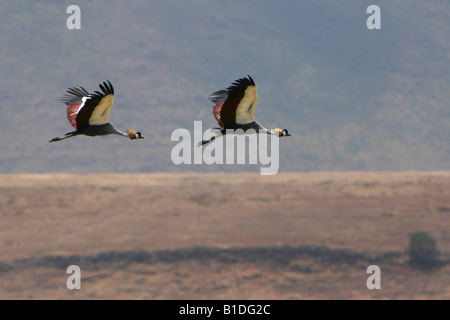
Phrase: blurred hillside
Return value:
(353, 98)
(223, 236)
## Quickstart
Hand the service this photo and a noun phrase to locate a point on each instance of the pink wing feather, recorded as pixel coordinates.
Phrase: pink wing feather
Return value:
(216, 112)
(72, 112)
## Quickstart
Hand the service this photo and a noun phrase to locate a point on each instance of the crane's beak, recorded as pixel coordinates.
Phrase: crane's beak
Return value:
(138, 135)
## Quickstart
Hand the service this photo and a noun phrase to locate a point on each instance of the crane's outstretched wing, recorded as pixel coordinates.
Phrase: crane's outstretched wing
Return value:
(235, 104)
(84, 108)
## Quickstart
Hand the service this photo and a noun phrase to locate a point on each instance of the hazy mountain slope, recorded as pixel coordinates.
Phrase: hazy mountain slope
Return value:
(354, 99)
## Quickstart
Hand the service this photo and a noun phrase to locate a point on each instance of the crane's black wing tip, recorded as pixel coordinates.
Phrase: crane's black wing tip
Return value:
(222, 95)
(109, 87)
(75, 94)
(218, 96)
(106, 87)
(242, 83)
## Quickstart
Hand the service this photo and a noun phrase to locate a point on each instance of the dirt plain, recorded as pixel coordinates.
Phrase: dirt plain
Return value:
(222, 236)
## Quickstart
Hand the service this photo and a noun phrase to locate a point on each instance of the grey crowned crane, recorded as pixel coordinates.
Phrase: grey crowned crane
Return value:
(235, 109)
(88, 113)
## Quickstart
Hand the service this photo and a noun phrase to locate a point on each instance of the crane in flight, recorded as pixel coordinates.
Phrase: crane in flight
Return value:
(235, 109)
(88, 113)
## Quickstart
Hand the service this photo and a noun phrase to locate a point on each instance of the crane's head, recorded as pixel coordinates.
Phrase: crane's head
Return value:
(134, 135)
(281, 132)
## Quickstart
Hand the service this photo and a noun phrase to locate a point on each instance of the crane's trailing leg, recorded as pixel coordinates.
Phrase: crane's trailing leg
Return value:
(68, 135)
(207, 141)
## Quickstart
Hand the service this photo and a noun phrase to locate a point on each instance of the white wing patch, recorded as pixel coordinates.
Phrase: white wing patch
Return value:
(245, 111)
(82, 104)
(100, 115)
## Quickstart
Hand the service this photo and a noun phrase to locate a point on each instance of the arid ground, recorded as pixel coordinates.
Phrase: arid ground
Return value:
(222, 236)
